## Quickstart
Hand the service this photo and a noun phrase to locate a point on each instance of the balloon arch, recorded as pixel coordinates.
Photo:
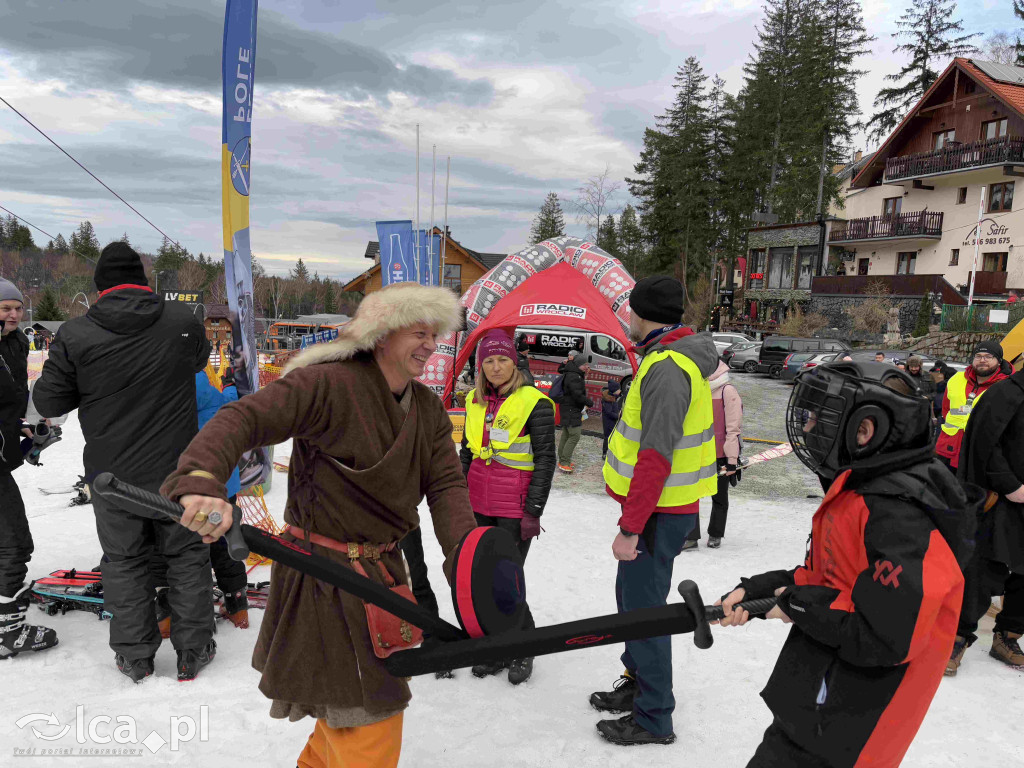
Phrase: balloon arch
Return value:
(605, 273)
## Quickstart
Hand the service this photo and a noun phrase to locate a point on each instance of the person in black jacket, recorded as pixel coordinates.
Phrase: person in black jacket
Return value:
(15, 537)
(574, 400)
(991, 456)
(129, 368)
(923, 379)
(523, 360)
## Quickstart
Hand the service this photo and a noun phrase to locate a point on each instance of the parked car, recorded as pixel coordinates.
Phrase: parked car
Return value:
(725, 340)
(798, 363)
(743, 355)
(776, 349)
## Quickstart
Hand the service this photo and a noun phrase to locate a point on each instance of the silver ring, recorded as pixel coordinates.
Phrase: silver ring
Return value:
(215, 517)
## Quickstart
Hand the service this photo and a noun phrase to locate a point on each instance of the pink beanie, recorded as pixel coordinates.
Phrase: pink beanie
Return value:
(496, 342)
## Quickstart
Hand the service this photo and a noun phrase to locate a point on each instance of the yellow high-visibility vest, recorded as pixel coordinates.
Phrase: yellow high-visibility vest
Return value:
(505, 444)
(694, 463)
(960, 406)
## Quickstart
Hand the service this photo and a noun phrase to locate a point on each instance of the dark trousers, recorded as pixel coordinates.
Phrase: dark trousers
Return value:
(645, 583)
(777, 750)
(607, 427)
(514, 526)
(15, 537)
(985, 578)
(129, 542)
(719, 509)
(230, 574)
(412, 548)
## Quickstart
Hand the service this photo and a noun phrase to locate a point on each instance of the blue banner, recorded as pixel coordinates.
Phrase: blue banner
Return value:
(397, 258)
(430, 258)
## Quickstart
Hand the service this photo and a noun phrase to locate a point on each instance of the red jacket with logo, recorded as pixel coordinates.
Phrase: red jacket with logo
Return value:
(874, 609)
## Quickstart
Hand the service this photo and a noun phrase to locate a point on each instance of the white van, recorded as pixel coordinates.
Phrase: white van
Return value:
(552, 345)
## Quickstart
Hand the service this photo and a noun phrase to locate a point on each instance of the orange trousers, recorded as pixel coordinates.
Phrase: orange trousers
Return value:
(368, 746)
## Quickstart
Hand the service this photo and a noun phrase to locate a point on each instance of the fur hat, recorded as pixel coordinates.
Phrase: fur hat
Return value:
(398, 306)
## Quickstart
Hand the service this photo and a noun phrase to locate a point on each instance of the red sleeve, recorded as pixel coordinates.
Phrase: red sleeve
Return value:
(945, 403)
(649, 476)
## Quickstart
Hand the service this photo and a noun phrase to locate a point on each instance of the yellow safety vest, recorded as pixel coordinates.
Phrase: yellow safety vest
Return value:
(959, 406)
(694, 463)
(514, 450)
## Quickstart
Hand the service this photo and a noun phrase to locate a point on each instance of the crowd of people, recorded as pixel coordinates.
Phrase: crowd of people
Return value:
(912, 539)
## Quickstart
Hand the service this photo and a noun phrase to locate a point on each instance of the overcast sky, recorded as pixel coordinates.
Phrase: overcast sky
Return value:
(527, 97)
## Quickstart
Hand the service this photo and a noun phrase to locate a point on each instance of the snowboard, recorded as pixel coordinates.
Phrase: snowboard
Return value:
(759, 458)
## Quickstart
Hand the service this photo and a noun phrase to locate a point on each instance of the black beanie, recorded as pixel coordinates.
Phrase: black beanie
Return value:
(991, 346)
(119, 264)
(658, 298)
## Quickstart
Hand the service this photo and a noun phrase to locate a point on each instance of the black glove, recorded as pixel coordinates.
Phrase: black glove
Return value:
(735, 477)
(228, 379)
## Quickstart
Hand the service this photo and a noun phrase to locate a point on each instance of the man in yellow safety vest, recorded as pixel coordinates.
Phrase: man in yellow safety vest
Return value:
(962, 393)
(661, 460)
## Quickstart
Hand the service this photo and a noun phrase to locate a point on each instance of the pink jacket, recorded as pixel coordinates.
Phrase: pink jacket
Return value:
(494, 489)
(728, 410)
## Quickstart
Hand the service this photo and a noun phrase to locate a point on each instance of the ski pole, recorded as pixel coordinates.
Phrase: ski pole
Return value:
(242, 538)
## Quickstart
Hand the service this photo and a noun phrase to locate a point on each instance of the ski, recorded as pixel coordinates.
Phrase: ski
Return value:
(64, 591)
(759, 458)
(62, 491)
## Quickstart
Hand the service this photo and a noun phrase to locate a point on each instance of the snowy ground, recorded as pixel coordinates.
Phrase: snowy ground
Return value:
(465, 721)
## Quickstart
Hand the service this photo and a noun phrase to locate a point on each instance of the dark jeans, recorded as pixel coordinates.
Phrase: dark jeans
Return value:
(514, 526)
(719, 510)
(129, 542)
(777, 750)
(607, 427)
(645, 583)
(985, 578)
(15, 537)
(412, 548)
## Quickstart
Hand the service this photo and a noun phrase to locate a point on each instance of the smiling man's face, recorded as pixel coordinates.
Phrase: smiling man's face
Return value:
(409, 349)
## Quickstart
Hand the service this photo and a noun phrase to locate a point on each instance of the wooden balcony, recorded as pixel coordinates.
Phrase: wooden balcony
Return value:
(898, 285)
(989, 283)
(915, 225)
(955, 157)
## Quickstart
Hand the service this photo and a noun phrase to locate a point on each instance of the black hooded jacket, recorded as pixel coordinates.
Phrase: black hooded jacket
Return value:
(575, 398)
(129, 366)
(13, 397)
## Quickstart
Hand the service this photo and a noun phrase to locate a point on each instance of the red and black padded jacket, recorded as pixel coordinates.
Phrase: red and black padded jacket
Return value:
(874, 609)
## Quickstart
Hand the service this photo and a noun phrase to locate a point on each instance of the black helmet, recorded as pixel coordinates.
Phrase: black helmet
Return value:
(829, 402)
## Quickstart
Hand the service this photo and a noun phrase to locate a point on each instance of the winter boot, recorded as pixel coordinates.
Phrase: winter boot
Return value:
(163, 612)
(236, 608)
(519, 670)
(714, 542)
(690, 544)
(959, 647)
(137, 669)
(626, 732)
(486, 670)
(619, 699)
(444, 674)
(190, 661)
(15, 635)
(1006, 648)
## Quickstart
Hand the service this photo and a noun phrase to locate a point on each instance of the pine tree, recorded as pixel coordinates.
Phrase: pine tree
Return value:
(84, 241)
(47, 308)
(124, 239)
(301, 272)
(1018, 11)
(60, 245)
(932, 37)
(924, 316)
(171, 256)
(630, 239)
(549, 221)
(330, 307)
(608, 237)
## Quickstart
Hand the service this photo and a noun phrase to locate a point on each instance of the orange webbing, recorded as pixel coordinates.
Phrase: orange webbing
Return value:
(255, 513)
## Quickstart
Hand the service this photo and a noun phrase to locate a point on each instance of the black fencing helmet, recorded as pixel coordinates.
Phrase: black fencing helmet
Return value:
(830, 401)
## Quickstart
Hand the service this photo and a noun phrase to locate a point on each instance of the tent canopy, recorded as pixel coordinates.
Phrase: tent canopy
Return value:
(559, 296)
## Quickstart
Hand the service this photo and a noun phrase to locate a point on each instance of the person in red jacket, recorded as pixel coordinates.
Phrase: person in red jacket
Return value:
(874, 607)
(962, 392)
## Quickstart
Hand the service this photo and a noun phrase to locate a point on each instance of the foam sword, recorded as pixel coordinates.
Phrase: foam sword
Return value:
(450, 647)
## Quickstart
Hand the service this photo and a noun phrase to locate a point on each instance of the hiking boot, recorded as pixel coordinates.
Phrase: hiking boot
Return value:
(519, 670)
(236, 608)
(191, 660)
(619, 699)
(15, 635)
(690, 544)
(714, 542)
(486, 670)
(1006, 648)
(136, 669)
(625, 731)
(567, 468)
(959, 646)
(163, 612)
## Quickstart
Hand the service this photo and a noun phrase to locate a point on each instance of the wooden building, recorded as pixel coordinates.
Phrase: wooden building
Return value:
(218, 325)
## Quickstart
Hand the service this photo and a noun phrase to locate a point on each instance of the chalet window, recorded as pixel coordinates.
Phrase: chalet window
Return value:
(780, 268)
(453, 277)
(970, 86)
(942, 138)
(806, 256)
(961, 196)
(891, 206)
(757, 266)
(954, 257)
(1000, 197)
(993, 262)
(905, 262)
(994, 129)
(862, 266)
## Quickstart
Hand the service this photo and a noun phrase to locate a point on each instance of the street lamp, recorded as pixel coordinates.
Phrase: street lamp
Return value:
(157, 273)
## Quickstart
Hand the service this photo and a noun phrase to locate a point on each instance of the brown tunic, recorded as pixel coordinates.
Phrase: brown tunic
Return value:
(359, 468)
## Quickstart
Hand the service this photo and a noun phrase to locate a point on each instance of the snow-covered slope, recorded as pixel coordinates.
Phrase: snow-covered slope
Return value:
(465, 721)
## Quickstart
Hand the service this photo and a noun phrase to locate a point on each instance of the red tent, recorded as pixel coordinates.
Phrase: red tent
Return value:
(559, 296)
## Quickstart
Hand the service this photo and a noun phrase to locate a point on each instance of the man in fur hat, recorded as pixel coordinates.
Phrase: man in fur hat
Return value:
(369, 444)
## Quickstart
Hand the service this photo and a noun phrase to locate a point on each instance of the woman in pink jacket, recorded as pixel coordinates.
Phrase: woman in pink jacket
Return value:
(508, 455)
(728, 410)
